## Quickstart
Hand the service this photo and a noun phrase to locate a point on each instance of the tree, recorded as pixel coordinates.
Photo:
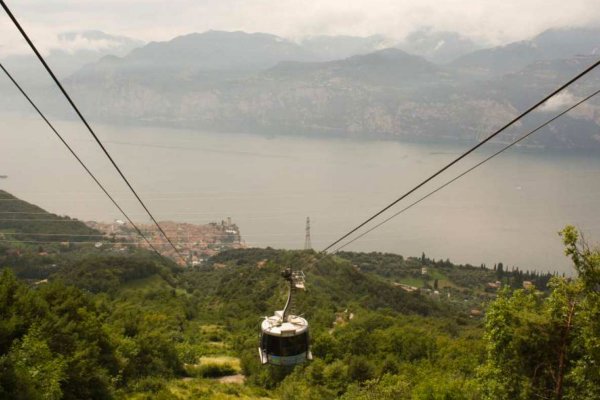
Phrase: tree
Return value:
(500, 270)
(360, 369)
(583, 379)
(38, 373)
(547, 347)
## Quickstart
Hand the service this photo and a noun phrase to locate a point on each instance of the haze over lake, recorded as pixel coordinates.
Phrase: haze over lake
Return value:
(509, 210)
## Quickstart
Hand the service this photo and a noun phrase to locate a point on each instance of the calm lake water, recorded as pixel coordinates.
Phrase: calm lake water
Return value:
(509, 210)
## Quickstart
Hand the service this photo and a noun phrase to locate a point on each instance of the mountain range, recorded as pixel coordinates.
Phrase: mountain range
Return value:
(432, 86)
(77, 49)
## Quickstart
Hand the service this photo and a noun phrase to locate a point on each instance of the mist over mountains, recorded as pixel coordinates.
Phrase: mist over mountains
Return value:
(77, 49)
(549, 45)
(432, 86)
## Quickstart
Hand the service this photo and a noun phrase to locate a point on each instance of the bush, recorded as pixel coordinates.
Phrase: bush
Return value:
(210, 370)
(148, 384)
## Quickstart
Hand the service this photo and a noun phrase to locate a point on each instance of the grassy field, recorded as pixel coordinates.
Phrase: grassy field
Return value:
(197, 388)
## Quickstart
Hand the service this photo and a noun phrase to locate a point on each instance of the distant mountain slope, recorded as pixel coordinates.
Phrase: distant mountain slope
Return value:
(73, 51)
(387, 66)
(567, 42)
(239, 82)
(436, 46)
(329, 48)
(22, 221)
(195, 59)
(386, 94)
(548, 45)
(81, 48)
(498, 60)
(218, 50)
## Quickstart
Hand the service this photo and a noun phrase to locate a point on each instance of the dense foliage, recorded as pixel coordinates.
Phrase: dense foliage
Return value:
(122, 324)
(469, 277)
(547, 347)
(53, 343)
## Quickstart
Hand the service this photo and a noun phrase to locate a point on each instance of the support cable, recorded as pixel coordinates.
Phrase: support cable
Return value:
(468, 170)
(472, 149)
(85, 122)
(80, 161)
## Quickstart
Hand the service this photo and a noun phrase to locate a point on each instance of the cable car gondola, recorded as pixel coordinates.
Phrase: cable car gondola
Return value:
(284, 338)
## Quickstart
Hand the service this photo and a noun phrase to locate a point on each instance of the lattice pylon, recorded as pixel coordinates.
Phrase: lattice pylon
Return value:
(307, 245)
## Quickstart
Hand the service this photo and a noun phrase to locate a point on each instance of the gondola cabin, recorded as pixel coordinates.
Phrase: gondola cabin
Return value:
(284, 337)
(282, 342)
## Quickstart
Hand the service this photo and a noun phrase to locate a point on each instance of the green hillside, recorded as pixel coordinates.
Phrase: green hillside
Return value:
(130, 327)
(22, 221)
(101, 323)
(176, 332)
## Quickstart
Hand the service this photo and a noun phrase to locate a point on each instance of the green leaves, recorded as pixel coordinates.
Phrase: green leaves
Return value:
(38, 372)
(547, 347)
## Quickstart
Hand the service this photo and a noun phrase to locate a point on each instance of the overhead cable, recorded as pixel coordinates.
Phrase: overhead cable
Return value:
(90, 173)
(472, 149)
(85, 122)
(468, 170)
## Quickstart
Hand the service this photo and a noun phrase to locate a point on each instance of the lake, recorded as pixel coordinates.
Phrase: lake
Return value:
(509, 210)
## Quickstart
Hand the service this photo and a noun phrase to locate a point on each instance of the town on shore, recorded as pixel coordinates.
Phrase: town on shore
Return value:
(194, 242)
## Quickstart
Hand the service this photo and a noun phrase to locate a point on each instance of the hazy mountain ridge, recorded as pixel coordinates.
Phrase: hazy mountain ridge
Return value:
(216, 50)
(240, 82)
(436, 46)
(551, 44)
(330, 48)
(72, 52)
(76, 50)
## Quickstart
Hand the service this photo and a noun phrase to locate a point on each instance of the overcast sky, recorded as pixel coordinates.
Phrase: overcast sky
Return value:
(492, 22)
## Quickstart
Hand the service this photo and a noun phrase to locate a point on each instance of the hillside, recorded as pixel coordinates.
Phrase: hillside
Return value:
(330, 48)
(179, 334)
(196, 59)
(175, 334)
(267, 85)
(553, 44)
(71, 51)
(22, 221)
(438, 46)
(99, 323)
(153, 329)
(216, 50)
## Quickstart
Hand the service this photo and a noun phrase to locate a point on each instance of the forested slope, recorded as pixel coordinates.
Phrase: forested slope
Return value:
(113, 324)
(22, 221)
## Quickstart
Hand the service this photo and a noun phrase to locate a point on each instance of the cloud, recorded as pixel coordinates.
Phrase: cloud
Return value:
(559, 102)
(485, 21)
(96, 41)
(69, 43)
